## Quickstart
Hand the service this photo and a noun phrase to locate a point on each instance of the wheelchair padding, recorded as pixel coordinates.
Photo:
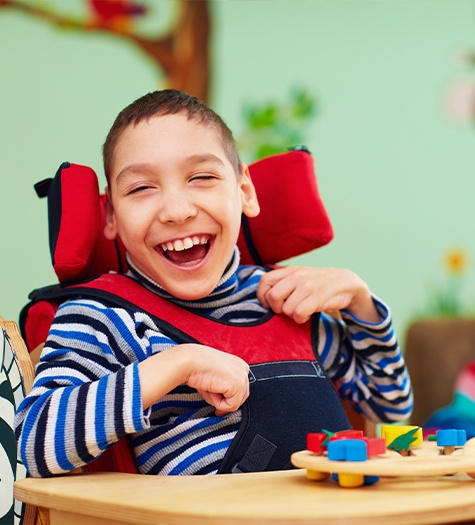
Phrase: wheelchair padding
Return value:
(76, 216)
(293, 219)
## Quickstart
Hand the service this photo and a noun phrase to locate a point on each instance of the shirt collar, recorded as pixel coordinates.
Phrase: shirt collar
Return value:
(227, 285)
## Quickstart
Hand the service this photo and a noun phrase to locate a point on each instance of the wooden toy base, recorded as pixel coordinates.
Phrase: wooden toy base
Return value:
(425, 461)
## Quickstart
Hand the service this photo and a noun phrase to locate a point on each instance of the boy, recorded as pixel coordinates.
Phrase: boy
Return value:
(176, 191)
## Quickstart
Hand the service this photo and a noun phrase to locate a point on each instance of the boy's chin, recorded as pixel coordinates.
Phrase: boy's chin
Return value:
(191, 295)
(189, 289)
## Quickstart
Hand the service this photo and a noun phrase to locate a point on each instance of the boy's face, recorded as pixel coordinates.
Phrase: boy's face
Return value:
(176, 203)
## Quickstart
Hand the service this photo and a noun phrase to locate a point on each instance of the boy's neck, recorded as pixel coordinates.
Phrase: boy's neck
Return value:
(228, 281)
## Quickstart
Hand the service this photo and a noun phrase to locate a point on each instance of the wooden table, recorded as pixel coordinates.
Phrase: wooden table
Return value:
(276, 498)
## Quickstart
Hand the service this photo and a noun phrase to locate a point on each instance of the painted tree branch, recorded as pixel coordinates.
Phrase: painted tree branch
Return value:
(182, 54)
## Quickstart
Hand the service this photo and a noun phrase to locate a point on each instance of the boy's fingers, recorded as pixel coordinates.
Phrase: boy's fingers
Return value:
(303, 310)
(275, 292)
(261, 295)
(264, 286)
(221, 404)
(268, 281)
(227, 403)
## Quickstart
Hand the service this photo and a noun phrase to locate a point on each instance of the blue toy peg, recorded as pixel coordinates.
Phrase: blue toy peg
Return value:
(453, 437)
(348, 450)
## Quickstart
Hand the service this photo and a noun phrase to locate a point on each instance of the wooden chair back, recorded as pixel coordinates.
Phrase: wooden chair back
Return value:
(16, 379)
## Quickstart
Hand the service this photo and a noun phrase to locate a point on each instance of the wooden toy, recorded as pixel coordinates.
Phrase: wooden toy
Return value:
(346, 445)
(449, 439)
(402, 437)
(316, 442)
(359, 461)
(348, 450)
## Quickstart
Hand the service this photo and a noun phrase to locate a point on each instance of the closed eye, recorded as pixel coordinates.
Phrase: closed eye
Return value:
(204, 177)
(137, 189)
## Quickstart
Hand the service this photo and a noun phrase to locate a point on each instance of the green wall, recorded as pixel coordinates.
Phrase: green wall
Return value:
(395, 169)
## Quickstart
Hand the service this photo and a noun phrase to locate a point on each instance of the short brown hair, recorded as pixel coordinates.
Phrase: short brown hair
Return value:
(168, 102)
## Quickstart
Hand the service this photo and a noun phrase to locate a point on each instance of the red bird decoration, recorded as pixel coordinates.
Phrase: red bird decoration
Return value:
(115, 13)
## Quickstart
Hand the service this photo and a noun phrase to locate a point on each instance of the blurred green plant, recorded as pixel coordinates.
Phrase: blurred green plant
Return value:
(273, 127)
(447, 300)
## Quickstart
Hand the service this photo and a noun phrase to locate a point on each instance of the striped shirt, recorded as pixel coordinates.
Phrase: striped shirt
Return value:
(86, 393)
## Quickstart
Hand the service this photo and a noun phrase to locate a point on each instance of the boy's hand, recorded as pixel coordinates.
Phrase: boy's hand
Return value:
(300, 291)
(221, 378)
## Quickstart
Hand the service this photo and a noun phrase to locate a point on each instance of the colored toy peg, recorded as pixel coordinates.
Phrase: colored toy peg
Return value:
(449, 439)
(317, 442)
(348, 450)
(346, 434)
(329, 434)
(395, 440)
(351, 450)
(403, 442)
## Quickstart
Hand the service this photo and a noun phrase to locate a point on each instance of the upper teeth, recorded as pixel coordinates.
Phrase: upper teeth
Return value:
(183, 244)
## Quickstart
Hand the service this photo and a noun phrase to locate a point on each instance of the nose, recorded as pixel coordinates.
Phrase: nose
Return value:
(176, 208)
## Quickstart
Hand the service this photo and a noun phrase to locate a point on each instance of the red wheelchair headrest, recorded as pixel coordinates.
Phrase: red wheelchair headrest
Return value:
(292, 221)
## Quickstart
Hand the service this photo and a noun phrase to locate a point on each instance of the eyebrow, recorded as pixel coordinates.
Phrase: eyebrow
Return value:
(192, 160)
(202, 158)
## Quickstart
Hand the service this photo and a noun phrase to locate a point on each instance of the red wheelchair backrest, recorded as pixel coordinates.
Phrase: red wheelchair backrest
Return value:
(293, 219)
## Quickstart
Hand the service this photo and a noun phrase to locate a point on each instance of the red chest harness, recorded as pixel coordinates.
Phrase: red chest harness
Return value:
(290, 394)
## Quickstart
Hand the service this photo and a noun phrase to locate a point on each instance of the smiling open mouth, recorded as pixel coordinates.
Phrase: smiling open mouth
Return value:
(188, 250)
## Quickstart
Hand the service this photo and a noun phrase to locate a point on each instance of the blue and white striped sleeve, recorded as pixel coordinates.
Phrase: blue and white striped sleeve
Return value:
(366, 364)
(86, 393)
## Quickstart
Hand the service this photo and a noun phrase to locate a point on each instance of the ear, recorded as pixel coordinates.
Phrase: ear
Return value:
(110, 227)
(250, 204)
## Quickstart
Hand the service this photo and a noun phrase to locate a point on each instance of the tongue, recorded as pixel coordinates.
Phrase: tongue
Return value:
(195, 253)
